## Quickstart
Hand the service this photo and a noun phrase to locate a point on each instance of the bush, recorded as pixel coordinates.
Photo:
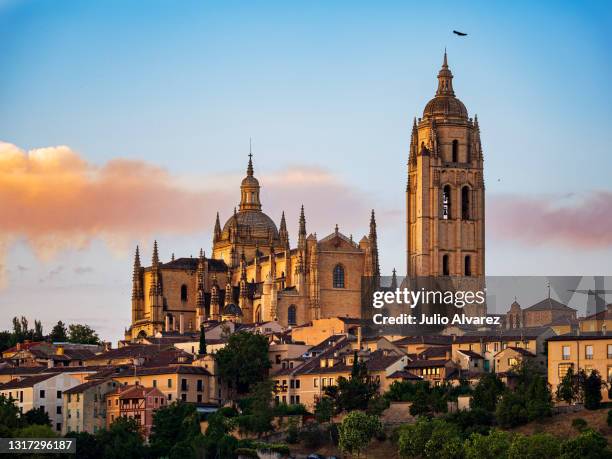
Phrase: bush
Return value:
(536, 446)
(492, 446)
(430, 438)
(589, 444)
(292, 432)
(579, 424)
(356, 431)
(472, 421)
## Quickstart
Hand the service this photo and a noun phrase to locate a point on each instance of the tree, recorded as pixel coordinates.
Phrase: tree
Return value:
(36, 431)
(428, 400)
(122, 440)
(324, 409)
(444, 442)
(589, 444)
(243, 362)
(492, 446)
(87, 444)
(511, 410)
(9, 416)
(175, 427)
(472, 421)
(259, 413)
(591, 389)
(356, 432)
(59, 334)
(487, 392)
(568, 389)
(82, 334)
(37, 416)
(413, 437)
(536, 446)
(538, 399)
(38, 331)
(202, 349)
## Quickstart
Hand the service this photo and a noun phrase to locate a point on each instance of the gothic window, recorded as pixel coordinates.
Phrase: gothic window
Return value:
(468, 266)
(292, 315)
(183, 292)
(445, 265)
(446, 202)
(339, 276)
(258, 313)
(465, 203)
(455, 157)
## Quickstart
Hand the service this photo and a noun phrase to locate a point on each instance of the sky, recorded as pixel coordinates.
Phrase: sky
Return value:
(123, 122)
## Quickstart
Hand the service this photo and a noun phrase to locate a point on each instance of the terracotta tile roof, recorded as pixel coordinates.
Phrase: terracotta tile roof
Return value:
(26, 382)
(521, 351)
(405, 375)
(583, 336)
(424, 339)
(436, 351)
(83, 387)
(601, 315)
(549, 304)
(471, 354)
(22, 370)
(179, 369)
(25, 346)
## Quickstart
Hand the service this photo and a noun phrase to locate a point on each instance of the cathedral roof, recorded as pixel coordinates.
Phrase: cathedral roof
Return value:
(259, 224)
(231, 310)
(192, 264)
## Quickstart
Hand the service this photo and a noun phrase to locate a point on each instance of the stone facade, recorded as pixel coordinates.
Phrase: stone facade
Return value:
(445, 194)
(254, 275)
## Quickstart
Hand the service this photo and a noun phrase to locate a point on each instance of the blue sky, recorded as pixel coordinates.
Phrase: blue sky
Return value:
(329, 85)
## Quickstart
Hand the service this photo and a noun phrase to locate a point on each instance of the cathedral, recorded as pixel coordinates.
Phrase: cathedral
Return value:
(253, 275)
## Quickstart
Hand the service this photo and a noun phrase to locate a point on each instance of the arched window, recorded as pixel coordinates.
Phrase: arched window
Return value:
(338, 276)
(292, 315)
(445, 265)
(468, 266)
(455, 155)
(183, 292)
(258, 313)
(465, 203)
(446, 202)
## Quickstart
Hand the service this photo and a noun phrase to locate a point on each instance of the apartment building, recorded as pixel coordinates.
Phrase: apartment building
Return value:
(44, 390)
(580, 352)
(85, 406)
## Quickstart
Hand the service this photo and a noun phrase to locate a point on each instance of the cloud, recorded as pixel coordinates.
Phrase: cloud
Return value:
(54, 199)
(578, 221)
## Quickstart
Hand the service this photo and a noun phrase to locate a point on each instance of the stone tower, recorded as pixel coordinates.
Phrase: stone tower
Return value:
(445, 197)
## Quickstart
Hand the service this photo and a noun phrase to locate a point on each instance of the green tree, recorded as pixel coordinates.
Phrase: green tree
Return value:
(243, 362)
(492, 446)
(36, 431)
(538, 399)
(37, 416)
(591, 389)
(536, 446)
(259, 413)
(59, 333)
(6, 340)
(588, 445)
(487, 392)
(511, 410)
(413, 437)
(175, 428)
(9, 416)
(38, 331)
(122, 440)
(472, 421)
(444, 442)
(87, 444)
(356, 431)
(324, 409)
(202, 349)
(82, 334)
(568, 389)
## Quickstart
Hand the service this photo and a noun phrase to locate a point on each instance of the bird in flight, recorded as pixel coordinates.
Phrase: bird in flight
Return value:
(461, 34)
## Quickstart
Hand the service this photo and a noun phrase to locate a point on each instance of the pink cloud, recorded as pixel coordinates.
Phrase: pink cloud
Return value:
(54, 199)
(583, 221)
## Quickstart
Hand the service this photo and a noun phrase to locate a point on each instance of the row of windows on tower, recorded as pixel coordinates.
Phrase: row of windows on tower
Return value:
(467, 265)
(447, 203)
(455, 153)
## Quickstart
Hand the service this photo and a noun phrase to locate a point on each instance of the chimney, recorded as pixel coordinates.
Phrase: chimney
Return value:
(181, 323)
(167, 324)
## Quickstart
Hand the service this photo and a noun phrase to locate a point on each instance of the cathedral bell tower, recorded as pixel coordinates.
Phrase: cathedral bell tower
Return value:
(445, 197)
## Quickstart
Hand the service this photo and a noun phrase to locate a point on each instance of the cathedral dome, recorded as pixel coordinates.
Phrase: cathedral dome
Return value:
(249, 180)
(252, 222)
(445, 104)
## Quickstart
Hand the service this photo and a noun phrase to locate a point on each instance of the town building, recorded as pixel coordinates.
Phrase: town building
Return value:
(580, 352)
(41, 391)
(135, 402)
(85, 406)
(544, 313)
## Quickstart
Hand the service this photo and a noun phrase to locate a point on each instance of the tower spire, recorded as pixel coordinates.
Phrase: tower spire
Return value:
(250, 166)
(374, 246)
(445, 79)
(302, 230)
(283, 233)
(155, 258)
